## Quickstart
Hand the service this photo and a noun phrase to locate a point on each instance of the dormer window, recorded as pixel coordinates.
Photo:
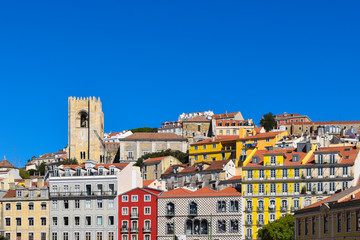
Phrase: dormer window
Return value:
(78, 171)
(112, 170)
(101, 171)
(332, 158)
(88, 171)
(273, 160)
(296, 158)
(67, 172)
(321, 159)
(19, 193)
(255, 159)
(175, 170)
(56, 172)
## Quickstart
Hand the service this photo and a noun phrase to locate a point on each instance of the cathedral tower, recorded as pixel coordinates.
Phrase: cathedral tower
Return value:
(86, 129)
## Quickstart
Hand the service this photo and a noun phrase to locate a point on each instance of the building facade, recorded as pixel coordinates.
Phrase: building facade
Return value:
(153, 167)
(331, 127)
(336, 217)
(83, 199)
(286, 118)
(137, 214)
(25, 211)
(200, 214)
(171, 127)
(139, 144)
(86, 129)
(232, 127)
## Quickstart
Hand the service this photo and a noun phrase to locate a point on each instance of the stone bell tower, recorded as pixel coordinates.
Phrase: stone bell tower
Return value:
(86, 129)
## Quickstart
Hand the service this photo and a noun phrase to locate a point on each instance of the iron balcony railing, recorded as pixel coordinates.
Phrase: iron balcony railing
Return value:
(147, 229)
(134, 215)
(124, 229)
(83, 193)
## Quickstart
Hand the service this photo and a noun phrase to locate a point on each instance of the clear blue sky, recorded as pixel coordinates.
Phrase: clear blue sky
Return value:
(149, 61)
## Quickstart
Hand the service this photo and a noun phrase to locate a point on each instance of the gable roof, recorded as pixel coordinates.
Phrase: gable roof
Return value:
(197, 119)
(220, 138)
(156, 159)
(224, 115)
(202, 192)
(6, 164)
(211, 166)
(262, 135)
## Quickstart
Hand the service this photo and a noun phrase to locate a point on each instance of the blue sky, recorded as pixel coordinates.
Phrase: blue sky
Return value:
(149, 61)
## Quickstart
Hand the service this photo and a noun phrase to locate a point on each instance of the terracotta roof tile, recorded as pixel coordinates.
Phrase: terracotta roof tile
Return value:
(147, 182)
(262, 135)
(202, 192)
(323, 123)
(197, 119)
(220, 138)
(6, 164)
(224, 115)
(157, 159)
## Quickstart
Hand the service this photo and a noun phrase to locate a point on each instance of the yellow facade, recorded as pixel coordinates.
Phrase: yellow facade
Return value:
(213, 150)
(25, 215)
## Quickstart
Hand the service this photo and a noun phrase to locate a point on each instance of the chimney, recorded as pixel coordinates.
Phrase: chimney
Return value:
(12, 186)
(27, 183)
(40, 183)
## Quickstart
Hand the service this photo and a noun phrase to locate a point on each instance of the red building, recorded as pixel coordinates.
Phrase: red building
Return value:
(138, 214)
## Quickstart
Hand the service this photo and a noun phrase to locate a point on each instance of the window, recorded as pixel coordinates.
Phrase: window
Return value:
(111, 203)
(54, 236)
(88, 220)
(8, 206)
(308, 172)
(170, 209)
(43, 236)
(320, 187)
(43, 205)
(65, 236)
(221, 206)
(332, 187)
(112, 236)
(125, 198)
(320, 172)
(313, 227)
(272, 173)
(297, 172)
(99, 203)
(261, 173)
(272, 188)
(125, 211)
(18, 221)
(43, 221)
(77, 203)
(76, 235)
(273, 160)
(221, 226)
(18, 206)
(134, 198)
(332, 171)
(345, 171)
(234, 226)
(31, 206)
(261, 188)
(54, 221)
(348, 221)
(19, 193)
(284, 173)
(99, 236)
(284, 187)
(88, 203)
(7, 221)
(339, 223)
(99, 220)
(267, 140)
(326, 224)
(147, 210)
(204, 147)
(170, 228)
(234, 206)
(66, 221)
(77, 221)
(195, 147)
(31, 236)
(299, 227)
(249, 188)
(147, 198)
(88, 236)
(8, 235)
(66, 204)
(344, 185)
(54, 204)
(111, 220)
(272, 205)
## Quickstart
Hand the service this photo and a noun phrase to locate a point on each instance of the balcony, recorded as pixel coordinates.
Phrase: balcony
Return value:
(134, 215)
(83, 194)
(283, 208)
(124, 229)
(248, 222)
(170, 213)
(134, 230)
(260, 208)
(193, 212)
(249, 209)
(272, 208)
(249, 237)
(293, 209)
(260, 222)
(146, 229)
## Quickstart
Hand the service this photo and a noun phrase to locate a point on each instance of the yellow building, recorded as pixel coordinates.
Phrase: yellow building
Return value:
(25, 212)
(280, 181)
(336, 217)
(247, 145)
(214, 149)
(153, 167)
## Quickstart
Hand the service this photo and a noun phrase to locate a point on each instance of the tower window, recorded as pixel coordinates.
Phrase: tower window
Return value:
(83, 119)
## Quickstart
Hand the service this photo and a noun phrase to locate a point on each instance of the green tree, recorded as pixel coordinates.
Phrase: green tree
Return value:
(144, 129)
(268, 121)
(3, 238)
(24, 174)
(181, 156)
(281, 229)
(42, 169)
(70, 161)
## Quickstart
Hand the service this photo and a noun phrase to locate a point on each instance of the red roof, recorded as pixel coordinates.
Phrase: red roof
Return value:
(230, 121)
(197, 119)
(147, 182)
(262, 135)
(288, 115)
(207, 166)
(323, 123)
(220, 138)
(155, 159)
(107, 165)
(348, 154)
(202, 192)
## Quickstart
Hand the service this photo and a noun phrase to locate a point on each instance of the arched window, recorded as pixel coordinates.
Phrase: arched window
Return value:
(193, 208)
(233, 123)
(234, 226)
(197, 226)
(170, 209)
(189, 227)
(227, 124)
(83, 119)
(204, 226)
(220, 124)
